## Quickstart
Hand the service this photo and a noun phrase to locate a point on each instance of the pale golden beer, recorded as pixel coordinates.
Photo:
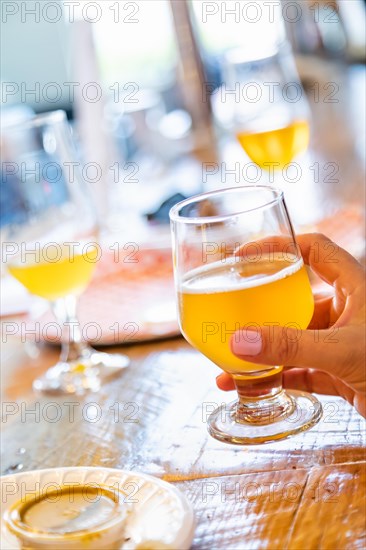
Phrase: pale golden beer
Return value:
(225, 291)
(69, 274)
(51, 247)
(218, 299)
(276, 147)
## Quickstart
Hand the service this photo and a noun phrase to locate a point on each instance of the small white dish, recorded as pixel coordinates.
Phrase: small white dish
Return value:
(160, 515)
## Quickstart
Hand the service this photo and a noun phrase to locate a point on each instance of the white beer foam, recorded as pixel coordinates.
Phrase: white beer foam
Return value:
(204, 280)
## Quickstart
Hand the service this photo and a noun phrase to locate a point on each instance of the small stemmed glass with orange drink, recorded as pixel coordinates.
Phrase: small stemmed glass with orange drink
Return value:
(50, 244)
(270, 113)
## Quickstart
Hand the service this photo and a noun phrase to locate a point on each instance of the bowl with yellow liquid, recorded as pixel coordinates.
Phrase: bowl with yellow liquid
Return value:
(93, 508)
(69, 517)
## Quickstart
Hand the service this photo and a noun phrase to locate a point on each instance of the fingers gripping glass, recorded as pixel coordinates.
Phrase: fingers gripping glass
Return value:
(237, 267)
(50, 229)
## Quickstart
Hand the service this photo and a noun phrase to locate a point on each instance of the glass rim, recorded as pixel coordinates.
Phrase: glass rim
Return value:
(36, 120)
(174, 211)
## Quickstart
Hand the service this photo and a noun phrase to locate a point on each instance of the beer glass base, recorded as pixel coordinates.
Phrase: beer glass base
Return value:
(81, 376)
(224, 425)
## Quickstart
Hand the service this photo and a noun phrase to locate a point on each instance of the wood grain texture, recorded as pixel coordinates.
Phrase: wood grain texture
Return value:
(304, 492)
(294, 510)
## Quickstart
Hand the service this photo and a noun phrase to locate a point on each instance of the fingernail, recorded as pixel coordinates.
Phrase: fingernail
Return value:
(246, 342)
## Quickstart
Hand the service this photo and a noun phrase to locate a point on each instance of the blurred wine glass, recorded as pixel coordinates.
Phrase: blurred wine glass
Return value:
(270, 113)
(50, 239)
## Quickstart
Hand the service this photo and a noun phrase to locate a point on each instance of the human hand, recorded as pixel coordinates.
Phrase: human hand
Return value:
(329, 357)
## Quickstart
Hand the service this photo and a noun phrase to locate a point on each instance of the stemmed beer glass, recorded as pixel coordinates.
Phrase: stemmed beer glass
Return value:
(237, 267)
(49, 238)
(271, 117)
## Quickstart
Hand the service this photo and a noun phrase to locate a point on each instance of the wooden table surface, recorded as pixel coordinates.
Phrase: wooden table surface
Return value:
(306, 492)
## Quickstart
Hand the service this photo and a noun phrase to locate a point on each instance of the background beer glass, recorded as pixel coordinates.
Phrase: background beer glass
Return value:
(271, 119)
(51, 223)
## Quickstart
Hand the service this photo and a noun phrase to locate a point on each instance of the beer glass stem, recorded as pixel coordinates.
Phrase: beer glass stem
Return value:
(262, 400)
(81, 368)
(72, 345)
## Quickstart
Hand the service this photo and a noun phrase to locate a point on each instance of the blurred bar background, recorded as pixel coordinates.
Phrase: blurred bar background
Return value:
(140, 84)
